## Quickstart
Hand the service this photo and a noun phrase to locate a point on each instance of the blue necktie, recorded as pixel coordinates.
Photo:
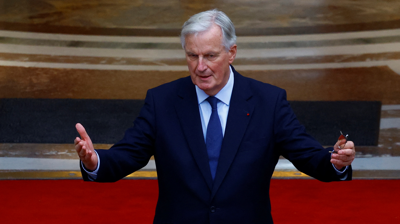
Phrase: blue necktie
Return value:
(214, 136)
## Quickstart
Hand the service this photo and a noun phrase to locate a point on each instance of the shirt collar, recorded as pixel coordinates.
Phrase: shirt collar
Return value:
(224, 95)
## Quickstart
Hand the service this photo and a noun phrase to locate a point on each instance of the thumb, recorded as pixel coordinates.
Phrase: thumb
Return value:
(82, 132)
(340, 143)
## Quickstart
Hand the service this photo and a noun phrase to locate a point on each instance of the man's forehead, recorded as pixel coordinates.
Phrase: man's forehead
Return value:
(203, 49)
(204, 43)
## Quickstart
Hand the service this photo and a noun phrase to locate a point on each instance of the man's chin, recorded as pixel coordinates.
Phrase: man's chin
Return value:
(203, 87)
(203, 84)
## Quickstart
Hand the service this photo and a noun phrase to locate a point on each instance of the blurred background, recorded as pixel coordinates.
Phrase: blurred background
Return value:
(56, 55)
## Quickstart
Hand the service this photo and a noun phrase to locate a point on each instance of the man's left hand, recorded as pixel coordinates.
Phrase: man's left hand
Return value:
(345, 154)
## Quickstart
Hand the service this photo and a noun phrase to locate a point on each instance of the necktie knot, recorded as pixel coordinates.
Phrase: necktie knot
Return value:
(213, 102)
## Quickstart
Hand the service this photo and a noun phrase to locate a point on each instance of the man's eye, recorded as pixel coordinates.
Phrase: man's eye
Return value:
(211, 56)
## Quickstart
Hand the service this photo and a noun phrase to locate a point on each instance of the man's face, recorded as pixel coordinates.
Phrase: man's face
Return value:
(208, 61)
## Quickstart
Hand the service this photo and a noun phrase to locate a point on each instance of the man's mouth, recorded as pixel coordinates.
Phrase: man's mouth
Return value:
(204, 76)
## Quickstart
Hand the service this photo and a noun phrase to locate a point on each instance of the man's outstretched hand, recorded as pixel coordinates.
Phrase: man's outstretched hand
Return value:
(345, 154)
(84, 148)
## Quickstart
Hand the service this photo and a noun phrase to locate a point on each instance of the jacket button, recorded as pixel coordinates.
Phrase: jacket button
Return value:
(212, 209)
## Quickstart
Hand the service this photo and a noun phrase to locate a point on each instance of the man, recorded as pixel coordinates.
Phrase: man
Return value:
(214, 155)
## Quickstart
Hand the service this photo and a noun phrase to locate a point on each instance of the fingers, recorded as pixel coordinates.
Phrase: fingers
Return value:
(81, 148)
(84, 139)
(77, 140)
(349, 145)
(84, 148)
(78, 144)
(82, 152)
(82, 132)
(88, 155)
(339, 164)
(340, 144)
(345, 156)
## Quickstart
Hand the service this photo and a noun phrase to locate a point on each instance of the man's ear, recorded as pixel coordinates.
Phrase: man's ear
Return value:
(232, 53)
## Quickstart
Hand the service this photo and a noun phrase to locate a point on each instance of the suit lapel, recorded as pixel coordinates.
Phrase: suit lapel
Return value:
(189, 116)
(240, 111)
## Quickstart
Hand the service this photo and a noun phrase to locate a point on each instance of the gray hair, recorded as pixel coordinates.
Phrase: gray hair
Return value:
(203, 21)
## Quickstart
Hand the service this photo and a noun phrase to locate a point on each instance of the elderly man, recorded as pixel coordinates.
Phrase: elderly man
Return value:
(216, 137)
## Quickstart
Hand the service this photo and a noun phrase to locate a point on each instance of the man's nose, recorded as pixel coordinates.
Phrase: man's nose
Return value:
(202, 65)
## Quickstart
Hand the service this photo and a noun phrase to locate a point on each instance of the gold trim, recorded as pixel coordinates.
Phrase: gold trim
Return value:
(289, 174)
(143, 174)
(34, 174)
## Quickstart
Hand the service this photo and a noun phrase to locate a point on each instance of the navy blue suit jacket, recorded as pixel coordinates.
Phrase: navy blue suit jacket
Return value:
(260, 127)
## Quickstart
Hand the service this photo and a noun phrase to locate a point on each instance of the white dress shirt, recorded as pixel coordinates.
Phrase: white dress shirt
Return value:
(224, 96)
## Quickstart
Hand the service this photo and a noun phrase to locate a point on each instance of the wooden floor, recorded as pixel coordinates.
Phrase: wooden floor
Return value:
(97, 49)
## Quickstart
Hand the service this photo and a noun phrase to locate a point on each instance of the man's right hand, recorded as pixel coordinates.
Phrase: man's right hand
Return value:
(84, 148)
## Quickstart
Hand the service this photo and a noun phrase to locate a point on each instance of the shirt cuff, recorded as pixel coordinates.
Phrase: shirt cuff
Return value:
(341, 173)
(92, 174)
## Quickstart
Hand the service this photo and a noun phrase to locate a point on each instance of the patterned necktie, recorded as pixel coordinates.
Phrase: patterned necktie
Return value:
(214, 136)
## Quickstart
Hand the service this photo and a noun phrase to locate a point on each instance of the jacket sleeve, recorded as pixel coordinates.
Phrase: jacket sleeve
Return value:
(306, 154)
(132, 152)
